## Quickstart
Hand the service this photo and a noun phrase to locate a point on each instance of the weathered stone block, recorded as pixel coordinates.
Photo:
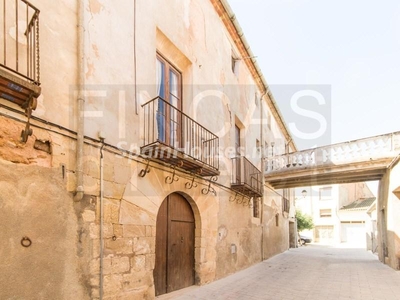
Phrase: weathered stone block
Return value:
(91, 185)
(134, 230)
(71, 181)
(108, 172)
(95, 248)
(112, 284)
(94, 266)
(199, 242)
(63, 156)
(94, 230)
(133, 214)
(138, 263)
(118, 230)
(91, 167)
(88, 215)
(122, 174)
(137, 280)
(120, 264)
(95, 280)
(119, 246)
(206, 272)
(113, 190)
(95, 293)
(150, 261)
(138, 294)
(111, 211)
(143, 245)
(149, 231)
(200, 254)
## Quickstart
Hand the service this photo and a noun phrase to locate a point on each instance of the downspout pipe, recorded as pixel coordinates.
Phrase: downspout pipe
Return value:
(101, 220)
(80, 101)
(262, 173)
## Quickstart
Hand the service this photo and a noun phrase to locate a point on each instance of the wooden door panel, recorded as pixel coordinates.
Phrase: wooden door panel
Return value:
(174, 268)
(179, 209)
(180, 271)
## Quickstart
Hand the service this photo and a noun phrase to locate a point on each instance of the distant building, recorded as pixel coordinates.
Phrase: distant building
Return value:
(324, 204)
(356, 225)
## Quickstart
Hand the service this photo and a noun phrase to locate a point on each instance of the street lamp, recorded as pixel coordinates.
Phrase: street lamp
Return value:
(304, 193)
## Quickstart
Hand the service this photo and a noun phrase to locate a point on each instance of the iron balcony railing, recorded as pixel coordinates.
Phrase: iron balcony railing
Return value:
(165, 126)
(19, 48)
(246, 178)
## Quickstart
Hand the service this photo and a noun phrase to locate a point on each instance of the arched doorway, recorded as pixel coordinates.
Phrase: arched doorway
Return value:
(174, 265)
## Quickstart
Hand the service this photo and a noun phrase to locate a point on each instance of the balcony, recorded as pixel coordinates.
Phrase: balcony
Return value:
(246, 178)
(19, 53)
(174, 138)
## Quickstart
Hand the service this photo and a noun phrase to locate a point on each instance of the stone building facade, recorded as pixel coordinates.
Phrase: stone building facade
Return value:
(131, 149)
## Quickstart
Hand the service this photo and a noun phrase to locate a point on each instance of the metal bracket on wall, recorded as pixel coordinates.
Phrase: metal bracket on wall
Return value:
(190, 184)
(206, 191)
(29, 106)
(233, 199)
(240, 201)
(146, 170)
(171, 179)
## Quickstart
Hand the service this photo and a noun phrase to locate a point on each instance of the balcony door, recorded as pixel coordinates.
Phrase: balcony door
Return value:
(169, 87)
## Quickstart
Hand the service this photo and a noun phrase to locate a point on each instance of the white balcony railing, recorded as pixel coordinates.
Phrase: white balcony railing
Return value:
(372, 148)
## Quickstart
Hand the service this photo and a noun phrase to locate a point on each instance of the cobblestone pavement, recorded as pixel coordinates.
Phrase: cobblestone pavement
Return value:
(311, 272)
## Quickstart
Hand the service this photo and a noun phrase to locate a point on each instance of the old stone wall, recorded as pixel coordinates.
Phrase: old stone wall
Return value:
(38, 179)
(239, 236)
(34, 204)
(276, 226)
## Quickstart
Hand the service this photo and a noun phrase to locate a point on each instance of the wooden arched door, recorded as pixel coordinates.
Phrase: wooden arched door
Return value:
(174, 265)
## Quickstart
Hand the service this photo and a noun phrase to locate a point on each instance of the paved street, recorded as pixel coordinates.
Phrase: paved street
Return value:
(310, 272)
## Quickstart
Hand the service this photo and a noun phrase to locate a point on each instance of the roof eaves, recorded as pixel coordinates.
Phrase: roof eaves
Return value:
(252, 64)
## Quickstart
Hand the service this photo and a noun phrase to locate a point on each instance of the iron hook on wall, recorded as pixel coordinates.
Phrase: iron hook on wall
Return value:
(146, 170)
(26, 242)
(240, 201)
(233, 199)
(206, 191)
(171, 179)
(190, 184)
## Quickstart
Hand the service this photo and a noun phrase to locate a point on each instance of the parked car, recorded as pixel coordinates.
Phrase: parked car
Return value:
(304, 239)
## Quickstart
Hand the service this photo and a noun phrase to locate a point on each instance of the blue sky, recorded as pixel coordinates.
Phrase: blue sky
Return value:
(352, 46)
